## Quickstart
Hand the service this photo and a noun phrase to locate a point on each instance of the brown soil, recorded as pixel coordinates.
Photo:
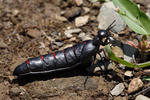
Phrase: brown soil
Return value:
(18, 20)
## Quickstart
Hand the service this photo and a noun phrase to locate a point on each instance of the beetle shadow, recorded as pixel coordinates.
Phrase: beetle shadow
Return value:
(22, 80)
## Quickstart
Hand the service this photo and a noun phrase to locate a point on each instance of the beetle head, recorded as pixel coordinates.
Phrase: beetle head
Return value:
(104, 35)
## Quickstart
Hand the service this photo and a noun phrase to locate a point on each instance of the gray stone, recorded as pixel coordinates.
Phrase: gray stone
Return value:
(58, 43)
(42, 45)
(128, 59)
(60, 18)
(128, 73)
(69, 32)
(82, 20)
(34, 33)
(107, 15)
(84, 37)
(142, 97)
(135, 85)
(117, 89)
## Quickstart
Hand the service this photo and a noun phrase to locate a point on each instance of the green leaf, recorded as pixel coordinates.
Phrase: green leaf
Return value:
(114, 58)
(142, 65)
(94, 0)
(147, 78)
(134, 26)
(121, 61)
(145, 21)
(128, 7)
(133, 16)
(100, 0)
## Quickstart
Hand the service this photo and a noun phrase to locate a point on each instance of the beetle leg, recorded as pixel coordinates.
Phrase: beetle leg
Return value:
(102, 59)
(91, 66)
(85, 82)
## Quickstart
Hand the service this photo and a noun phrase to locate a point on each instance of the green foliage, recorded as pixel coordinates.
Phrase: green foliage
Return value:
(94, 0)
(100, 0)
(121, 61)
(136, 19)
(138, 22)
(147, 78)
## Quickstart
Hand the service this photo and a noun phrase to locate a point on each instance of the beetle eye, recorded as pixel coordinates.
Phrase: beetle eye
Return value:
(102, 33)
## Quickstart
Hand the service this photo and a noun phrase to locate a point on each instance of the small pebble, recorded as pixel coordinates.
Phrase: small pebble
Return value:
(128, 58)
(142, 97)
(69, 32)
(73, 39)
(58, 43)
(79, 2)
(146, 71)
(34, 33)
(118, 51)
(61, 18)
(42, 45)
(86, 10)
(128, 73)
(87, 37)
(3, 44)
(118, 89)
(15, 12)
(96, 4)
(82, 20)
(84, 37)
(72, 13)
(135, 85)
(66, 46)
(120, 98)
(15, 91)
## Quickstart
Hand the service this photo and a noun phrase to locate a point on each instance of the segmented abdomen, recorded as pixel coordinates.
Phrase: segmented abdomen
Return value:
(58, 60)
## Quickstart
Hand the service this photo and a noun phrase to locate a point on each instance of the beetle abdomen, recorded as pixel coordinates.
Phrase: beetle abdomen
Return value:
(55, 61)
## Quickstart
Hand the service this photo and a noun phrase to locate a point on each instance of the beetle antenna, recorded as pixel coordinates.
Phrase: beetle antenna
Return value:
(111, 26)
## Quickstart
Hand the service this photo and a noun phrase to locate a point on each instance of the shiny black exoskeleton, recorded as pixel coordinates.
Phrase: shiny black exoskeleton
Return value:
(80, 54)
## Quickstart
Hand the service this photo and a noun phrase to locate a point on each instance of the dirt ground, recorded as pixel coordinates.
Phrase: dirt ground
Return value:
(47, 19)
